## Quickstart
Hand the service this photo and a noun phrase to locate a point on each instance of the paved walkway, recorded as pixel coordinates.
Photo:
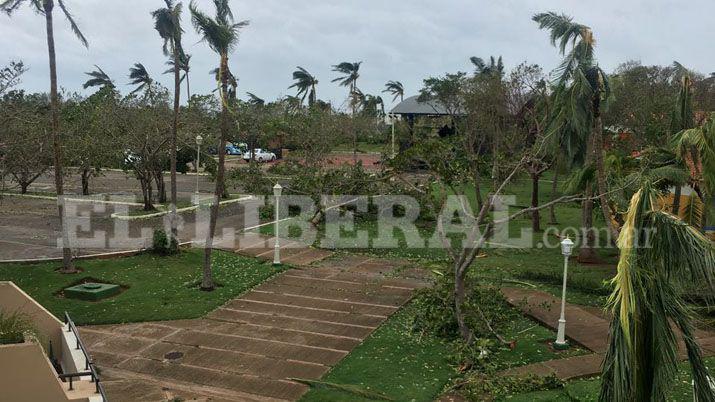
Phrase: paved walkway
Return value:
(297, 325)
(582, 327)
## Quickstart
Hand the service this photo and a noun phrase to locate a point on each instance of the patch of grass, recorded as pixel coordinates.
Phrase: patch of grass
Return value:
(394, 362)
(157, 286)
(14, 327)
(587, 390)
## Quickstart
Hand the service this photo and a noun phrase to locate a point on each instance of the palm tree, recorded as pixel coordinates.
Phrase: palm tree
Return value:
(184, 65)
(495, 66)
(305, 83)
(98, 78)
(139, 76)
(580, 89)
(167, 21)
(45, 8)
(350, 73)
(696, 147)
(221, 33)
(254, 100)
(660, 254)
(395, 89)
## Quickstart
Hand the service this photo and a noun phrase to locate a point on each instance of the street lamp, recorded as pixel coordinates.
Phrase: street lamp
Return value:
(277, 189)
(199, 141)
(560, 344)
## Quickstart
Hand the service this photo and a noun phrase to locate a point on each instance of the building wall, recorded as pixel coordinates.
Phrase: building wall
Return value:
(13, 299)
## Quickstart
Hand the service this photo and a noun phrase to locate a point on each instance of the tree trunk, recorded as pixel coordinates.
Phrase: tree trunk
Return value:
(676, 200)
(188, 88)
(23, 187)
(495, 165)
(554, 189)
(85, 180)
(173, 143)
(586, 251)
(459, 298)
(601, 174)
(478, 190)
(160, 187)
(67, 263)
(535, 217)
(145, 183)
(207, 282)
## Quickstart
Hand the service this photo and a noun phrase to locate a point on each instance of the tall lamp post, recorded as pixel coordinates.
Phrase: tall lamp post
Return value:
(566, 249)
(199, 141)
(277, 189)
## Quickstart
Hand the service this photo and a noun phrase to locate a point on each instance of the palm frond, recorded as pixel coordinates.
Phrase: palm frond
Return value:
(73, 24)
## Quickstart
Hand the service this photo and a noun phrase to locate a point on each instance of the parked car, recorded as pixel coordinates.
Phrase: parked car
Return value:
(260, 155)
(233, 150)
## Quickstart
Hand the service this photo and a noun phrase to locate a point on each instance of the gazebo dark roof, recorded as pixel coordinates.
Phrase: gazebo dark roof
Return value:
(412, 106)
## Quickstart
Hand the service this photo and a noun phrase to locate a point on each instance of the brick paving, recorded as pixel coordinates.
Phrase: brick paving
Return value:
(297, 325)
(583, 327)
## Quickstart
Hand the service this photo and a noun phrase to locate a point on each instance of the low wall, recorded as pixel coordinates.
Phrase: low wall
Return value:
(26, 375)
(49, 328)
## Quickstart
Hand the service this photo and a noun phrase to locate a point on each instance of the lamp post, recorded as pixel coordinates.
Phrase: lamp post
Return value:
(560, 344)
(277, 189)
(199, 141)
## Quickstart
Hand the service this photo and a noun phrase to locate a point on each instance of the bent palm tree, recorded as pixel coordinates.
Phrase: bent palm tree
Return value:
(167, 21)
(660, 254)
(98, 78)
(139, 76)
(254, 100)
(350, 74)
(581, 88)
(45, 8)
(395, 89)
(221, 34)
(305, 83)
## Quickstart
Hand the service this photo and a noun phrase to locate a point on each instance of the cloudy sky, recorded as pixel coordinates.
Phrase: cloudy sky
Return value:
(405, 40)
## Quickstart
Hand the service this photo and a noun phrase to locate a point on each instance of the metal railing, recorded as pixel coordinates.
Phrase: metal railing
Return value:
(90, 370)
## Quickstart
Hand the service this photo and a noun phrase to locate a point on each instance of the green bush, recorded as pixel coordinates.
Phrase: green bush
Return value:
(13, 328)
(163, 244)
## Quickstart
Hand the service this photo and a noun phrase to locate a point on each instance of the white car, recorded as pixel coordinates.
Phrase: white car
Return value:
(260, 155)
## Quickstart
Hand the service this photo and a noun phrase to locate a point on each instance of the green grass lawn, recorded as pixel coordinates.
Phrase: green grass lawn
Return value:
(158, 288)
(587, 390)
(407, 366)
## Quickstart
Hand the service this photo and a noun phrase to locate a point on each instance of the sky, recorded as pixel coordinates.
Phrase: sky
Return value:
(406, 40)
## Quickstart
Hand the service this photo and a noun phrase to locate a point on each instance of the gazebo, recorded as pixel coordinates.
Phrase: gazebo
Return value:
(411, 108)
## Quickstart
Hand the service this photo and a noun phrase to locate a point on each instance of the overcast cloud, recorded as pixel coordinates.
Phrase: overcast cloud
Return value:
(404, 40)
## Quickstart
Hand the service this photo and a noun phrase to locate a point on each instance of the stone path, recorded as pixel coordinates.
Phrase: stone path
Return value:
(297, 325)
(582, 327)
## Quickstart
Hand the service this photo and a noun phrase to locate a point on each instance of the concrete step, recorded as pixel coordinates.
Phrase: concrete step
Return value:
(278, 350)
(275, 321)
(261, 386)
(377, 298)
(305, 312)
(310, 302)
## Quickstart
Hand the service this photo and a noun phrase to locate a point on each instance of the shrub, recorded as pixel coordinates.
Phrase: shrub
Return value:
(163, 244)
(14, 327)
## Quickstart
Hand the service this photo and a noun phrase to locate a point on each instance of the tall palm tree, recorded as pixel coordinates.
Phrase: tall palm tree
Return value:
(45, 8)
(696, 147)
(395, 89)
(98, 78)
(495, 66)
(581, 88)
(305, 83)
(221, 34)
(184, 65)
(167, 21)
(660, 254)
(350, 74)
(139, 76)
